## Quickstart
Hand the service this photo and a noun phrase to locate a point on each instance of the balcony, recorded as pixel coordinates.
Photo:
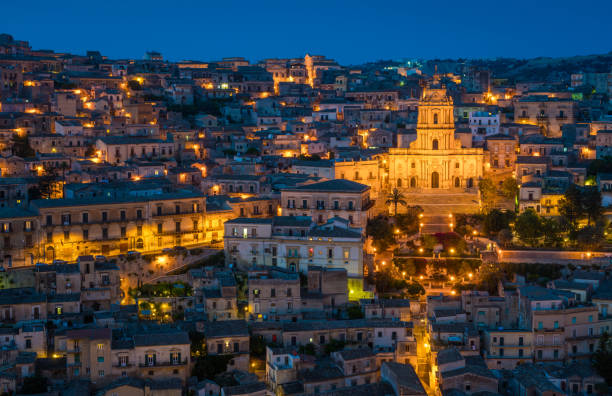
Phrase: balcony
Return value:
(583, 337)
(524, 345)
(164, 364)
(561, 118)
(492, 356)
(368, 205)
(175, 213)
(542, 117)
(120, 365)
(548, 330)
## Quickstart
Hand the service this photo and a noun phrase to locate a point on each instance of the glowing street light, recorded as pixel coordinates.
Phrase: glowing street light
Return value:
(470, 275)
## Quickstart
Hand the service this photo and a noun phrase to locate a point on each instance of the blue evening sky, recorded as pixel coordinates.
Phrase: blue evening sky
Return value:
(349, 31)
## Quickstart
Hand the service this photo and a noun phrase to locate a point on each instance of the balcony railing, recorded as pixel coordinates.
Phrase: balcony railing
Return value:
(121, 365)
(164, 364)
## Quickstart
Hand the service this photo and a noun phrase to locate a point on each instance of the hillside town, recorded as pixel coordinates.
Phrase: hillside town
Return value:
(290, 227)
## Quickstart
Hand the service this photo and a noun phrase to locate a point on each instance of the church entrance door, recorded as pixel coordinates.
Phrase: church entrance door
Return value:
(435, 180)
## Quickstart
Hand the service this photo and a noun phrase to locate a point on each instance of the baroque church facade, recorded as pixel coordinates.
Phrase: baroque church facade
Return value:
(436, 161)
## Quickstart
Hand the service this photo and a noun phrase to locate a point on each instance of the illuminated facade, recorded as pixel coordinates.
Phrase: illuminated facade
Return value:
(74, 227)
(435, 161)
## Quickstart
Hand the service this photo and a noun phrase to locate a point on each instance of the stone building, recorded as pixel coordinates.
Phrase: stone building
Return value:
(435, 160)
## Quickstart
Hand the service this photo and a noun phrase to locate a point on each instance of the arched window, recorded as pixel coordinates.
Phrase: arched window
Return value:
(413, 182)
(470, 183)
(399, 182)
(139, 243)
(435, 118)
(434, 144)
(457, 182)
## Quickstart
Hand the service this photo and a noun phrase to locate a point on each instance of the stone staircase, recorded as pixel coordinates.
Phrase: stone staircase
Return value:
(433, 224)
(442, 204)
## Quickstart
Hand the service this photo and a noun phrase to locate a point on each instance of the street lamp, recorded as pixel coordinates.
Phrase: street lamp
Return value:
(470, 275)
(452, 250)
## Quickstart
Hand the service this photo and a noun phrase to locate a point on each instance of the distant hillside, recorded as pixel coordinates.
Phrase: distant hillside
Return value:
(550, 69)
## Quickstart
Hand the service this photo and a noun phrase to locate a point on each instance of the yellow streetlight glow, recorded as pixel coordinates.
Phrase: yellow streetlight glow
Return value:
(470, 275)
(420, 250)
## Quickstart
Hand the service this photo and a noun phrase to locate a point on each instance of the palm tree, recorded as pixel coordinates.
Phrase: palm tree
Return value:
(395, 198)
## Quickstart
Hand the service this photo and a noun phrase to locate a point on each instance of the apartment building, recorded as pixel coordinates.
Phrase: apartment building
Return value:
(294, 243)
(220, 300)
(120, 149)
(547, 112)
(483, 124)
(501, 150)
(160, 354)
(506, 349)
(567, 333)
(99, 225)
(87, 352)
(229, 337)
(273, 293)
(327, 199)
(19, 230)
